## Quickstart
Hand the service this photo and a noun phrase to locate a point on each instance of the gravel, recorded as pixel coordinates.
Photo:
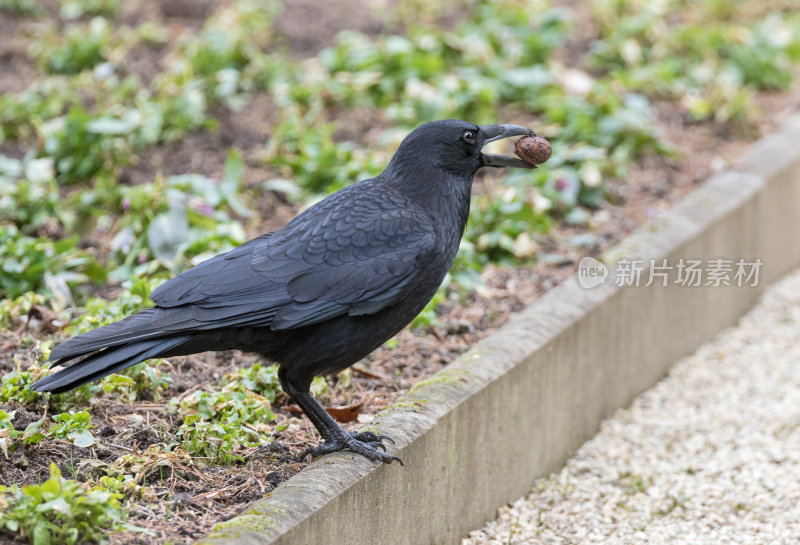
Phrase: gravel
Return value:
(711, 454)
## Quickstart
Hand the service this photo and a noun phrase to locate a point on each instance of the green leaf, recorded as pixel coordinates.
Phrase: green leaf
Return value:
(109, 125)
(41, 533)
(234, 166)
(59, 505)
(167, 232)
(32, 435)
(280, 185)
(85, 439)
(530, 78)
(10, 167)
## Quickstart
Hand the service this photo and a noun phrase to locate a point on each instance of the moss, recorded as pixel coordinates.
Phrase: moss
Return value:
(445, 376)
(417, 398)
(256, 520)
(475, 353)
(373, 429)
(419, 395)
(263, 509)
(413, 404)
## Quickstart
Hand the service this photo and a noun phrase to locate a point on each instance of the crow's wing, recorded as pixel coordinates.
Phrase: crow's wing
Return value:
(354, 254)
(358, 264)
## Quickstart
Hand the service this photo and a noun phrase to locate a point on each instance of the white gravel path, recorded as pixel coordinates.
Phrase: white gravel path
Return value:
(711, 454)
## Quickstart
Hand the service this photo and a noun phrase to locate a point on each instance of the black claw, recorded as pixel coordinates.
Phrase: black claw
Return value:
(371, 437)
(303, 455)
(364, 443)
(365, 437)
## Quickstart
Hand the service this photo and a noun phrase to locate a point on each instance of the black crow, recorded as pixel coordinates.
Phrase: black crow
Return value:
(321, 293)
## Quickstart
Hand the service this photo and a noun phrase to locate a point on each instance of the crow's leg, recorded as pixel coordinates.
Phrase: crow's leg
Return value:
(365, 443)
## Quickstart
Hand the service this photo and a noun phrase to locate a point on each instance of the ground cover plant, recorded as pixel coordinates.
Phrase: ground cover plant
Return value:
(138, 140)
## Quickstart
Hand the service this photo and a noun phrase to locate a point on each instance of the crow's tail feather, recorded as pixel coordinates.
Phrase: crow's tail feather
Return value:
(107, 361)
(136, 327)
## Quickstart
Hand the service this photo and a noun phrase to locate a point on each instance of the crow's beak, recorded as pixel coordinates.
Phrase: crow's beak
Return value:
(491, 133)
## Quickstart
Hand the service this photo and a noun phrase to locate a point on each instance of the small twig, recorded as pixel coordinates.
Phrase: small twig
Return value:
(117, 446)
(368, 374)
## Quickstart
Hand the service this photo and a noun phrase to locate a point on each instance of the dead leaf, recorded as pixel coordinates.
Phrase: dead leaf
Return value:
(12, 343)
(41, 319)
(5, 438)
(346, 414)
(368, 374)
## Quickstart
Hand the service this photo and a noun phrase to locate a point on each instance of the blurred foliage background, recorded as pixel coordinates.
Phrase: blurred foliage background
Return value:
(96, 188)
(336, 116)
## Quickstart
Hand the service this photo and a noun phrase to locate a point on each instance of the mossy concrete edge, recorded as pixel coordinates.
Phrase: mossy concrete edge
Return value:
(478, 433)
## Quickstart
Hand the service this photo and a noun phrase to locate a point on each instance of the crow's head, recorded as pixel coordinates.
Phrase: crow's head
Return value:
(455, 146)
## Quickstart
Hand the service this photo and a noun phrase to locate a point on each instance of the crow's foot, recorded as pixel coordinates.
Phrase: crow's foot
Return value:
(365, 443)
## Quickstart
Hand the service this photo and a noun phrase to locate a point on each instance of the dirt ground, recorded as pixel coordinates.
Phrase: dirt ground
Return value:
(185, 497)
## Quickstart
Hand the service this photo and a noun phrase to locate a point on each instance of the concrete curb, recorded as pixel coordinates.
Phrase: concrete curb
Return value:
(479, 433)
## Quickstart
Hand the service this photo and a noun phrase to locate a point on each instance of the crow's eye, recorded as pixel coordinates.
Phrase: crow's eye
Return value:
(469, 137)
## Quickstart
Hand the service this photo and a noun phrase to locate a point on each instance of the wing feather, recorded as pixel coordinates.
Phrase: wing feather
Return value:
(354, 253)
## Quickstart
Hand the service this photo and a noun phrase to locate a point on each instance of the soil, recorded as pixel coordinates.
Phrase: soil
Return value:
(184, 497)
(304, 36)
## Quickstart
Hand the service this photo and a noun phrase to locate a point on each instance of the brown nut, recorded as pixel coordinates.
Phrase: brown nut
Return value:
(534, 150)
